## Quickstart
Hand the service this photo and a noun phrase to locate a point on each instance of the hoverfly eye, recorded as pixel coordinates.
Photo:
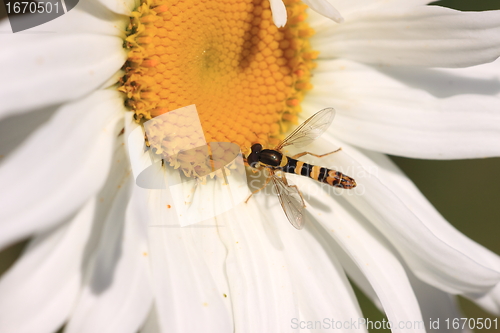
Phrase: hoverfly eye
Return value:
(257, 147)
(253, 160)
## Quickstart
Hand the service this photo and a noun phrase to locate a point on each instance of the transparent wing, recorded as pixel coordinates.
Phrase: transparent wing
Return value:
(291, 202)
(309, 129)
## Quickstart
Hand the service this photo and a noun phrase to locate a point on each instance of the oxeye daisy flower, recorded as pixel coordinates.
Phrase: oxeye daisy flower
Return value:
(405, 78)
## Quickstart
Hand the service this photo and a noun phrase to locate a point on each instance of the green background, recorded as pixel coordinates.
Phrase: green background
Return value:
(473, 207)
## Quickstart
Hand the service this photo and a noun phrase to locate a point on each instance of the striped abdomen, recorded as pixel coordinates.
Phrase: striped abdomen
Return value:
(324, 175)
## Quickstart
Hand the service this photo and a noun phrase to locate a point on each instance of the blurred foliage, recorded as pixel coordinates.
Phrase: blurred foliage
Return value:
(469, 5)
(9, 255)
(3, 12)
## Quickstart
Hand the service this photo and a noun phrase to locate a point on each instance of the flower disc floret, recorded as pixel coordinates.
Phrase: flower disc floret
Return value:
(246, 76)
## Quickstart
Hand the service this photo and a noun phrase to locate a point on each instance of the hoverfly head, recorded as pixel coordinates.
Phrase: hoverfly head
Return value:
(253, 157)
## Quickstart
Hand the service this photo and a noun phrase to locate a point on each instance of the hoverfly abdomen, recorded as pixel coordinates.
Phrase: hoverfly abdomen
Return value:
(324, 175)
(338, 179)
(298, 167)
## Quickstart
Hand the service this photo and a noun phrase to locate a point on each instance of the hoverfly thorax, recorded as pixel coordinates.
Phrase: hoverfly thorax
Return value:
(271, 157)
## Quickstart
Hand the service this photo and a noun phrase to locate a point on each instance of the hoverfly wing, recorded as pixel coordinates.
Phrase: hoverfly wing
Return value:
(310, 129)
(291, 201)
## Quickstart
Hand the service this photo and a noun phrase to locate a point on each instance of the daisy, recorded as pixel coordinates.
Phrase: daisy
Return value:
(101, 257)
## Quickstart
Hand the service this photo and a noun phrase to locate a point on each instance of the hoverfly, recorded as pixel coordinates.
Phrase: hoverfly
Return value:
(274, 161)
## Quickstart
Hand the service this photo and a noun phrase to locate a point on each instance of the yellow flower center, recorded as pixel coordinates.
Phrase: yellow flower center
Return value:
(245, 76)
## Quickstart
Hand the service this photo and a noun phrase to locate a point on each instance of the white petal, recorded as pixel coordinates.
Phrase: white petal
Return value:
(124, 7)
(52, 269)
(408, 3)
(324, 7)
(407, 192)
(480, 80)
(434, 303)
(14, 130)
(437, 307)
(184, 282)
(428, 36)
(433, 250)
(353, 8)
(263, 297)
(319, 281)
(187, 266)
(86, 17)
(356, 275)
(152, 323)
(367, 249)
(378, 111)
(117, 295)
(40, 68)
(279, 12)
(38, 292)
(60, 166)
(112, 80)
(353, 5)
(491, 301)
(188, 271)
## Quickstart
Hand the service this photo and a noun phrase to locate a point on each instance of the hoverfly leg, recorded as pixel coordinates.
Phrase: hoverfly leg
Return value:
(294, 186)
(315, 155)
(261, 188)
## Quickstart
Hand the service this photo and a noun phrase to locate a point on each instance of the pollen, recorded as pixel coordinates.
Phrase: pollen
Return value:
(246, 77)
